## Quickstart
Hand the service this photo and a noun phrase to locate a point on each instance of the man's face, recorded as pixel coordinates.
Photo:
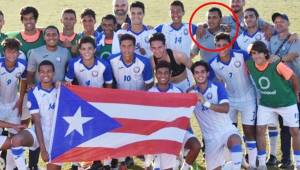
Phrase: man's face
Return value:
(200, 74)
(163, 76)
(29, 22)
(213, 20)
(46, 74)
(237, 5)
(127, 48)
(176, 13)
(108, 26)
(51, 37)
(250, 19)
(88, 23)
(222, 44)
(120, 7)
(281, 25)
(157, 48)
(68, 20)
(11, 55)
(87, 51)
(136, 15)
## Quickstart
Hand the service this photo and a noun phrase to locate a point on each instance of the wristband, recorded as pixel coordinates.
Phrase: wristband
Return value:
(207, 104)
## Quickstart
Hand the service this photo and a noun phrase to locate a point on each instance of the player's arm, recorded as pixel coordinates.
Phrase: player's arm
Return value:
(221, 107)
(108, 75)
(183, 59)
(295, 85)
(148, 75)
(17, 127)
(23, 89)
(289, 57)
(31, 69)
(70, 74)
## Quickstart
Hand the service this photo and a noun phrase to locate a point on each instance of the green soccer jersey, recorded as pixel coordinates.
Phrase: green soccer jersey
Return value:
(26, 46)
(105, 51)
(2, 37)
(74, 42)
(274, 90)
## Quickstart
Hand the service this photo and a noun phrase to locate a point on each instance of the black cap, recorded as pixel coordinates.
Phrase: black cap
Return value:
(277, 14)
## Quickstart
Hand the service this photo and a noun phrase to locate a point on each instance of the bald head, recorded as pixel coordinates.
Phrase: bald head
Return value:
(120, 7)
(237, 5)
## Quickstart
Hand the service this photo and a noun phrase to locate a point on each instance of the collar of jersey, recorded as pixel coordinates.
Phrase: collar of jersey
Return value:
(3, 65)
(227, 63)
(133, 60)
(169, 87)
(176, 29)
(39, 86)
(246, 33)
(208, 86)
(137, 33)
(89, 68)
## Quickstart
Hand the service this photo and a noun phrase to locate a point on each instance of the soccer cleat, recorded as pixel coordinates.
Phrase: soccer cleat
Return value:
(285, 165)
(245, 164)
(272, 161)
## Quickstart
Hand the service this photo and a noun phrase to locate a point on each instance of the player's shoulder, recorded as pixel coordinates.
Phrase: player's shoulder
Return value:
(217, 85)
(236, 52)
(2, 59)
(113, 57)
(213, 60)
(22, 62)
(102, 61)
(141, 58)
(159, 27)
(174, 89)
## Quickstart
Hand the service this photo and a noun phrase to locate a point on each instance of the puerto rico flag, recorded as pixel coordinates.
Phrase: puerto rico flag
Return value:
(97, 124)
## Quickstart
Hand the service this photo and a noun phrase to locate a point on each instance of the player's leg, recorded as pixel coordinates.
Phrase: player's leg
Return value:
(285, 147)
(53, 167)
(273, 139)
(166, 161)
(193, 146)
(234, 144)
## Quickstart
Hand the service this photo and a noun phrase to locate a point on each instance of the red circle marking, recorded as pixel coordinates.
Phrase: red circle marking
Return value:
(237, 25)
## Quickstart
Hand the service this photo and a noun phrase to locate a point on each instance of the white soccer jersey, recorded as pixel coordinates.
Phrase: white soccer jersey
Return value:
(178, 39)
(213, 123)
(244, 40)
(142, 40)
(42, 101)
(235, 76)
(9, 80)
(133, 76)
(171, 89)
(94, 76)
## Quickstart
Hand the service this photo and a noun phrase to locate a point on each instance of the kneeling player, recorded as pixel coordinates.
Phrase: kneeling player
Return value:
(216, 126)
(168, 161)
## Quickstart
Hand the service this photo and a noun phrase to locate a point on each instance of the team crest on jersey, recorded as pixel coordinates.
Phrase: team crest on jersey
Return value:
(95, 73)
(209, 96)
(58, 59)
(258, 37)
(237, 64)
(146, 39)
(136, 69)
(18, 75)
(185, 31)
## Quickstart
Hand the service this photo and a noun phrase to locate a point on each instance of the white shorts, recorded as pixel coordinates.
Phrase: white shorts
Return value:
(247, 110)
(269, 116)
(25, 110)
(216, 150)
(8, 114)
(2, 140)
(183, 85)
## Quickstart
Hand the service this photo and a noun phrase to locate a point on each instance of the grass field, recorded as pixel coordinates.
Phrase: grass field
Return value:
(157, 11)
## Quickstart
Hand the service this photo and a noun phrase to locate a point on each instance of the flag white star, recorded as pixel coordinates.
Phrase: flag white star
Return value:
(76, 122)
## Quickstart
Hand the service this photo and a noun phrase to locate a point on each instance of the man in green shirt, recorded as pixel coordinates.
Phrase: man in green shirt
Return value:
(278, 88)
(2, 35)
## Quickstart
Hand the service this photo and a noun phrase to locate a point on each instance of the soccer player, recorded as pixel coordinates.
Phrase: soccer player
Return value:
(41, 102)
(108, 25)
(281, 48)
(120, 9)
(212, 114)
(214, 18)
(229, 66)
(251, 32)
(88, 21)
(178, 61)
(163, 73)
(31, 37)
(2, 35)
(87, 69)
(137, 29)
(68, 38)
(13, 77)
(274, 80)
(131, 71)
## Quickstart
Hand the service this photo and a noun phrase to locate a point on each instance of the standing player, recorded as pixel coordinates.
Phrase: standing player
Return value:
(2, 35)
(217, 129)
(88, 20)
(68, 38)
(13, 77)
(178, 61)
(252, 32)
(274, 80)
(163, 75)
(41, 102)
(229, 66)
(137, 29)
(87, 69)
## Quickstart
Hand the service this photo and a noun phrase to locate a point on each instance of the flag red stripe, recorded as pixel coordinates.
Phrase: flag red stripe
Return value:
(134, 149)
(134, 97)
(138, 126)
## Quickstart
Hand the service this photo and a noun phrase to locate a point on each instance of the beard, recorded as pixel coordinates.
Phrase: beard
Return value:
(120, 12)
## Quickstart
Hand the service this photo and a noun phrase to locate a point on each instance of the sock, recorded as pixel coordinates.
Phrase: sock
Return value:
(252, 153)
(236, 156)
(18, 154)
(261, 158)
(185, 166)
(107, 162)
(273, 134)
(297, 157)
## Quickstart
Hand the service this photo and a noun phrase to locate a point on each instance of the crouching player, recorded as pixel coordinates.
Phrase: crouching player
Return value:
(219, 134)
(168, 161)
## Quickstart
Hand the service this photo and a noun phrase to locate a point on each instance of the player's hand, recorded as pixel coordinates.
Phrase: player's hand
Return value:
(30, 86)
(20, 127)
(58, 84)
(67, 83)
(18, 106)
(200, 32)
(274, 58)
(125, 26)
(200, 98)
(294, 37)
(267, 29)
(226, 28)
(142, 51)
(44, 155)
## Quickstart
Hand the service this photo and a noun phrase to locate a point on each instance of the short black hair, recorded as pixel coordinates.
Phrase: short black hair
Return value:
(87, 39)
(158, 37)
(215, 9)
(260, 47)
(163, 64)
(69, 11)
(11, 43)
(1, 13)
(252, 10)
(27, 10)
(200, 63)
(51, 27)
(138, 4)
(46, 63)
(127, 37)
(178, 3)
(88, 12)
(110, 17)
(222, 36)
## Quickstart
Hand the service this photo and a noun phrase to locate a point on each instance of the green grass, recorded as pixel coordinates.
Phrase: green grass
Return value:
(157, 11)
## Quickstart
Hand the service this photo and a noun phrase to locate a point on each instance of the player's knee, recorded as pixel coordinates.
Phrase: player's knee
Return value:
(196, 146)
(16, 141)
(294, 131)
(234, 140)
